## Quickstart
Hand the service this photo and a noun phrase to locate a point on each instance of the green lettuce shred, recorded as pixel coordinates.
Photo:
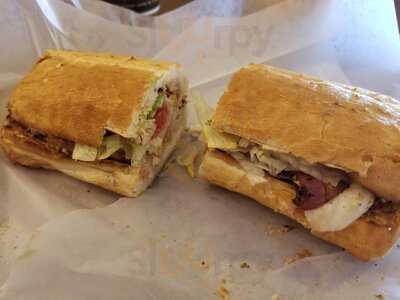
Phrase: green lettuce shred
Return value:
(84, 152)
(215, 139)
(138, 152)
(156, 105)
(109, 146)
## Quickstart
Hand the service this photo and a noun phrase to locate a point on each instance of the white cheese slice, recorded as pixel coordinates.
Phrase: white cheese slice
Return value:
(341, 211)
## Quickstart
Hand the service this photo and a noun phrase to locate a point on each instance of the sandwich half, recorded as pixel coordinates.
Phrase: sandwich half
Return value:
(324, 154)
(108, 120)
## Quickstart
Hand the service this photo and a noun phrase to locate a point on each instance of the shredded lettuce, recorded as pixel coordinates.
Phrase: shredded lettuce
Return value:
(126, 146)
(156, 105)
(109, 146)
(84, 152)
(214, 138)
(186, 156)
(133, 152)
(255, 173)
(138, 152)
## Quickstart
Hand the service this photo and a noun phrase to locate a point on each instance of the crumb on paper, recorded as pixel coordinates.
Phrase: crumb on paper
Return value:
(4, 226)
(278, 230)
(299, 255)
(244, 265)
(380, 296)
(204, 264)
(288, 228)
(275, 297)
(222, 290)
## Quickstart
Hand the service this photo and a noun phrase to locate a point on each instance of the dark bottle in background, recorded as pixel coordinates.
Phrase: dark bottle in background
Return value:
(139, 6)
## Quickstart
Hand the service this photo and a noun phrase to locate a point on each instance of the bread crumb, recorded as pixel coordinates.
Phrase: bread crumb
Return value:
(244, 265)
(278, 230)
(222, 290)
(380, 296)
(204, 264)
(299, 255)
(4, 227)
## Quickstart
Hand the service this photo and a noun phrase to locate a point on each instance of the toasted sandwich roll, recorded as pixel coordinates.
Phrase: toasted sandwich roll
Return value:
(105, 119)
(319, 121)
(335, 147)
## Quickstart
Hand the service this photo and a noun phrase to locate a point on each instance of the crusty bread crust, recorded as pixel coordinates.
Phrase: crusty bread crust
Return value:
(110, 175)
(75, 95)
(320, 121)
(368, 238)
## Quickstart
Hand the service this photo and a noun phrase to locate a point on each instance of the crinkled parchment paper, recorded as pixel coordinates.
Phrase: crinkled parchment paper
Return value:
(182, 239)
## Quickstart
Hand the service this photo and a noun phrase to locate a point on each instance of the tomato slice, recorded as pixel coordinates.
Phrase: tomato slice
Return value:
(161, 119)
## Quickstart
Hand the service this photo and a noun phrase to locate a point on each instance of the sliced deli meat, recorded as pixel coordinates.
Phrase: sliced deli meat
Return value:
(314, 193)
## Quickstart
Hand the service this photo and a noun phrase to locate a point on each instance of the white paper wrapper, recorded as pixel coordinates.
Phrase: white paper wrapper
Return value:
(183, 239)
(213, 47)
(176, 20)
(183, 244)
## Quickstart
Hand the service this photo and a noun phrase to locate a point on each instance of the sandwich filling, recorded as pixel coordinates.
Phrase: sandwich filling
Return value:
(330, 200)
(152, 133)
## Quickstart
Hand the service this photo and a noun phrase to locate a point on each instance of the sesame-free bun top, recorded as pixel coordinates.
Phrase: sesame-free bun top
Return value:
(77, 95)
(320, 121)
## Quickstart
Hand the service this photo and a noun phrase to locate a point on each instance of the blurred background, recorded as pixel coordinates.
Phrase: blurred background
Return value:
(157, 7)
(149, 6)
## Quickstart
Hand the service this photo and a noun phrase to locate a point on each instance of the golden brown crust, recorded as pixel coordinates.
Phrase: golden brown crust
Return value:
(110, 175)
(317, 120)
(75, 95)
(368, 238)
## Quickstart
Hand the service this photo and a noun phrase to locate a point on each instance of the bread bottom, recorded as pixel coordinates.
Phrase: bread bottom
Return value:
(368, 238)
(118, 177)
